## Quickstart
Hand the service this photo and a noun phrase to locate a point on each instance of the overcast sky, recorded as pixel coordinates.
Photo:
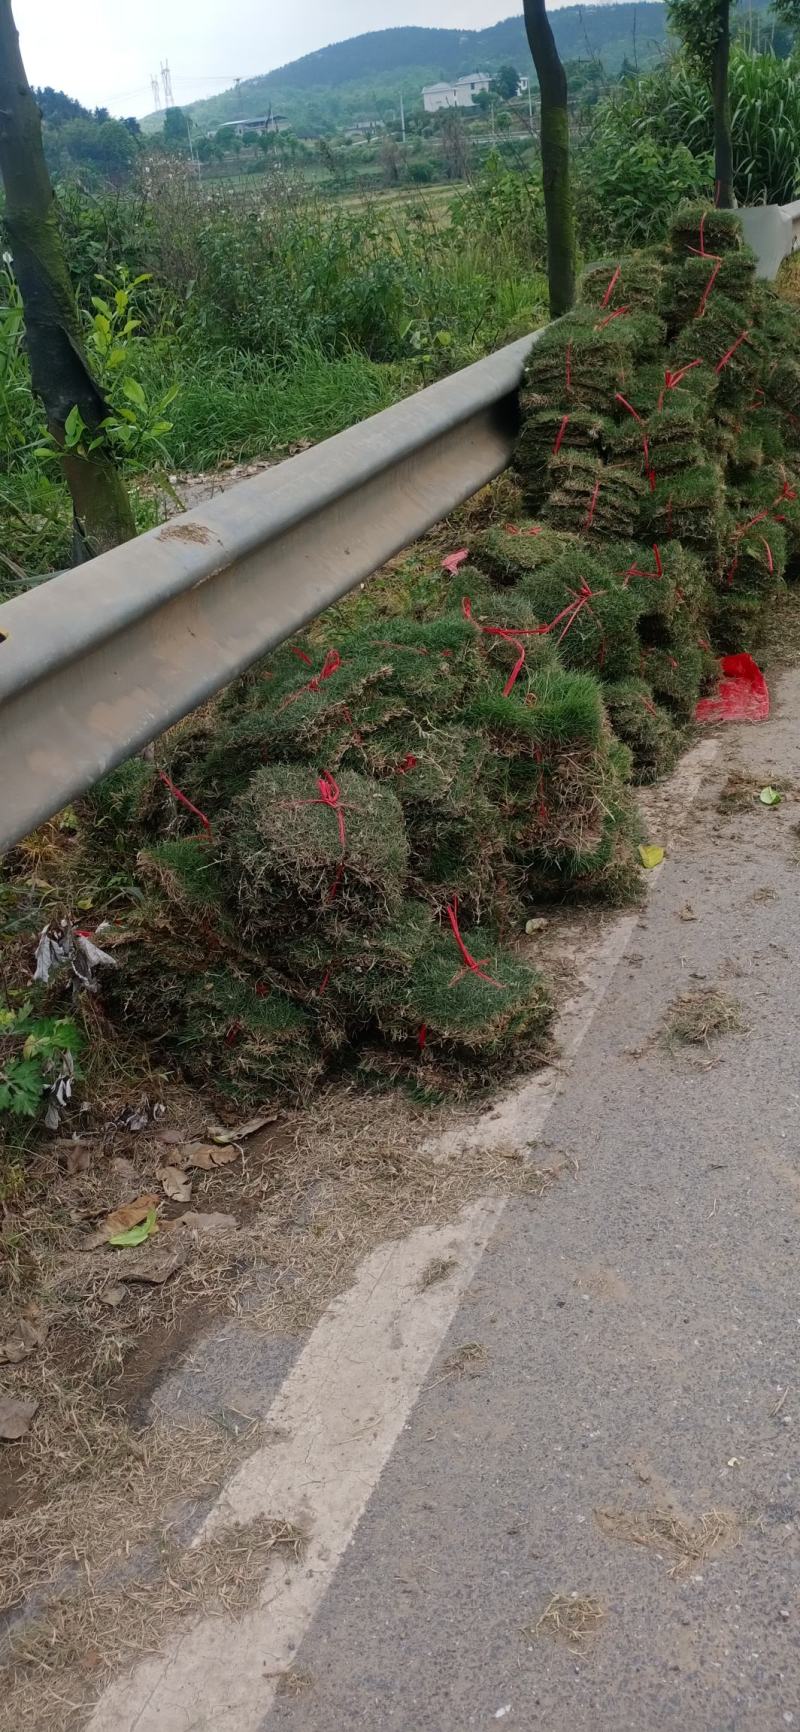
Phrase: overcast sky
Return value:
(107, 53)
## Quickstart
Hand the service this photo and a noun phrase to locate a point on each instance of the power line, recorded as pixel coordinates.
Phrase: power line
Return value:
(166, 80)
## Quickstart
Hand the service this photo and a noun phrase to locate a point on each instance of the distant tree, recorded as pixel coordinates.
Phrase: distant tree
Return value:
(455, 145)
(101, 114)
(175, 131)
(55, 106)
(132, 125)
(482, 100)
(506, 82)
(107, 148)
(558, 207)
(72, 399)
(503, 121)
(391, 159)
(704, 27)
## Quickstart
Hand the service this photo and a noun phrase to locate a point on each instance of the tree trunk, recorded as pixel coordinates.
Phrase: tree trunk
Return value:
(559, 217)
(720, 96)
(59, 369)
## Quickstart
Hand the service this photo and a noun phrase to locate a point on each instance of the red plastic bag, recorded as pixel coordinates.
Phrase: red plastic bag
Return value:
(742, 696)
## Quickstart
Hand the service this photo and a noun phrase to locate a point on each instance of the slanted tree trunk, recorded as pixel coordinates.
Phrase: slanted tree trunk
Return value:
(559, 216)
(720, 96)
(59, 368)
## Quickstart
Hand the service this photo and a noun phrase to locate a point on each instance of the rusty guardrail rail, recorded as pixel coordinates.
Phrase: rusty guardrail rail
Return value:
(98, 661)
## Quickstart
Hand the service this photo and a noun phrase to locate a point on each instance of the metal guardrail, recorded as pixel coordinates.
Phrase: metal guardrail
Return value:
(98, 661)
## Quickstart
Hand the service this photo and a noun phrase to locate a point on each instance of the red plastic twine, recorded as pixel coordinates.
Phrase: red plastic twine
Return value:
(301, 654)
(560, 434)
(512, 634)
(672, 380)
(703, 301)
(589, 518)
(187, 803)
(618, 313)
(645, 446)
(331, 664)
(731, 351)
(513, 528)
(611, 287)
(469, 961)
(636, 570)
(329, 795)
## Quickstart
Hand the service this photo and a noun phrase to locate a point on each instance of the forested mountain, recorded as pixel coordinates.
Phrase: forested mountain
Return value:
(365, 75)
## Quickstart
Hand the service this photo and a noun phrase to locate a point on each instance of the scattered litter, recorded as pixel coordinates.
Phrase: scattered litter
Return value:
(570, 1618)
(537, 924)
(212, 1222)
(15, 1417)
(175, 1184)
(60, 945)
(696, 1017)
(650, 855)
(452, 561)
(742, 696)
(687, 912)
(660, 1530)
(136, 1235)
(138, 1118)
(223, 1134)
(204, 1156)
(770, 796)
(502, 1712)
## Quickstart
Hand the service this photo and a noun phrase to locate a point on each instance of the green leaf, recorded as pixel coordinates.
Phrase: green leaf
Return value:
(136, 1235)
(134, 393)
(73, 427)
(102, 306)
(160, 427)
(770, 797)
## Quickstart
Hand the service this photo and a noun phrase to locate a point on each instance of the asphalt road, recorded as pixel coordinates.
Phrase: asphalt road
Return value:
(640, 1329)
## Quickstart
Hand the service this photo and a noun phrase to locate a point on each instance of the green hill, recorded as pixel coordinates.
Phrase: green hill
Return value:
(364, 76)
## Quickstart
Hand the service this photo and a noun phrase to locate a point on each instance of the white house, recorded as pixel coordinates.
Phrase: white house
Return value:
(460, 94)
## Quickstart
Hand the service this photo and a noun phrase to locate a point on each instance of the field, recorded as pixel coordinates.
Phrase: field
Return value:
(263, 315)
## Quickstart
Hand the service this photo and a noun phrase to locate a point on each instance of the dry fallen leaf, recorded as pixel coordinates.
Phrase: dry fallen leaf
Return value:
(130, 1215)
(687, 912)
(15, 1417)
(155, 1264)
(175, 1184)
(210, 1223)
(172, 1136)
(224, 1134)
(77, 1159)
(26, 1334)
(205, 1156)
(112, 1296)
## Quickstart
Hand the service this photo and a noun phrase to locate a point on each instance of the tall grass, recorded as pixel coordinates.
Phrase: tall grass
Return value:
(280, 317)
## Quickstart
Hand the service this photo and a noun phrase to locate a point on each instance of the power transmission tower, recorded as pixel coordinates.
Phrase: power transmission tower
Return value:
(156, 89)
(166, 80)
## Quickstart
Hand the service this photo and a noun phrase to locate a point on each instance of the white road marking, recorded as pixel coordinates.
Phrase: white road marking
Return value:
(334, 1424)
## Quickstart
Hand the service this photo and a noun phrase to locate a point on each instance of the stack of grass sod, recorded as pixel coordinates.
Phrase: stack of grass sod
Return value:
(246, 958)
(738, 333)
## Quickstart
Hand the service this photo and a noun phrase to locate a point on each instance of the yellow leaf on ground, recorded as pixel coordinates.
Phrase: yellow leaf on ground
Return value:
(650, 856)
